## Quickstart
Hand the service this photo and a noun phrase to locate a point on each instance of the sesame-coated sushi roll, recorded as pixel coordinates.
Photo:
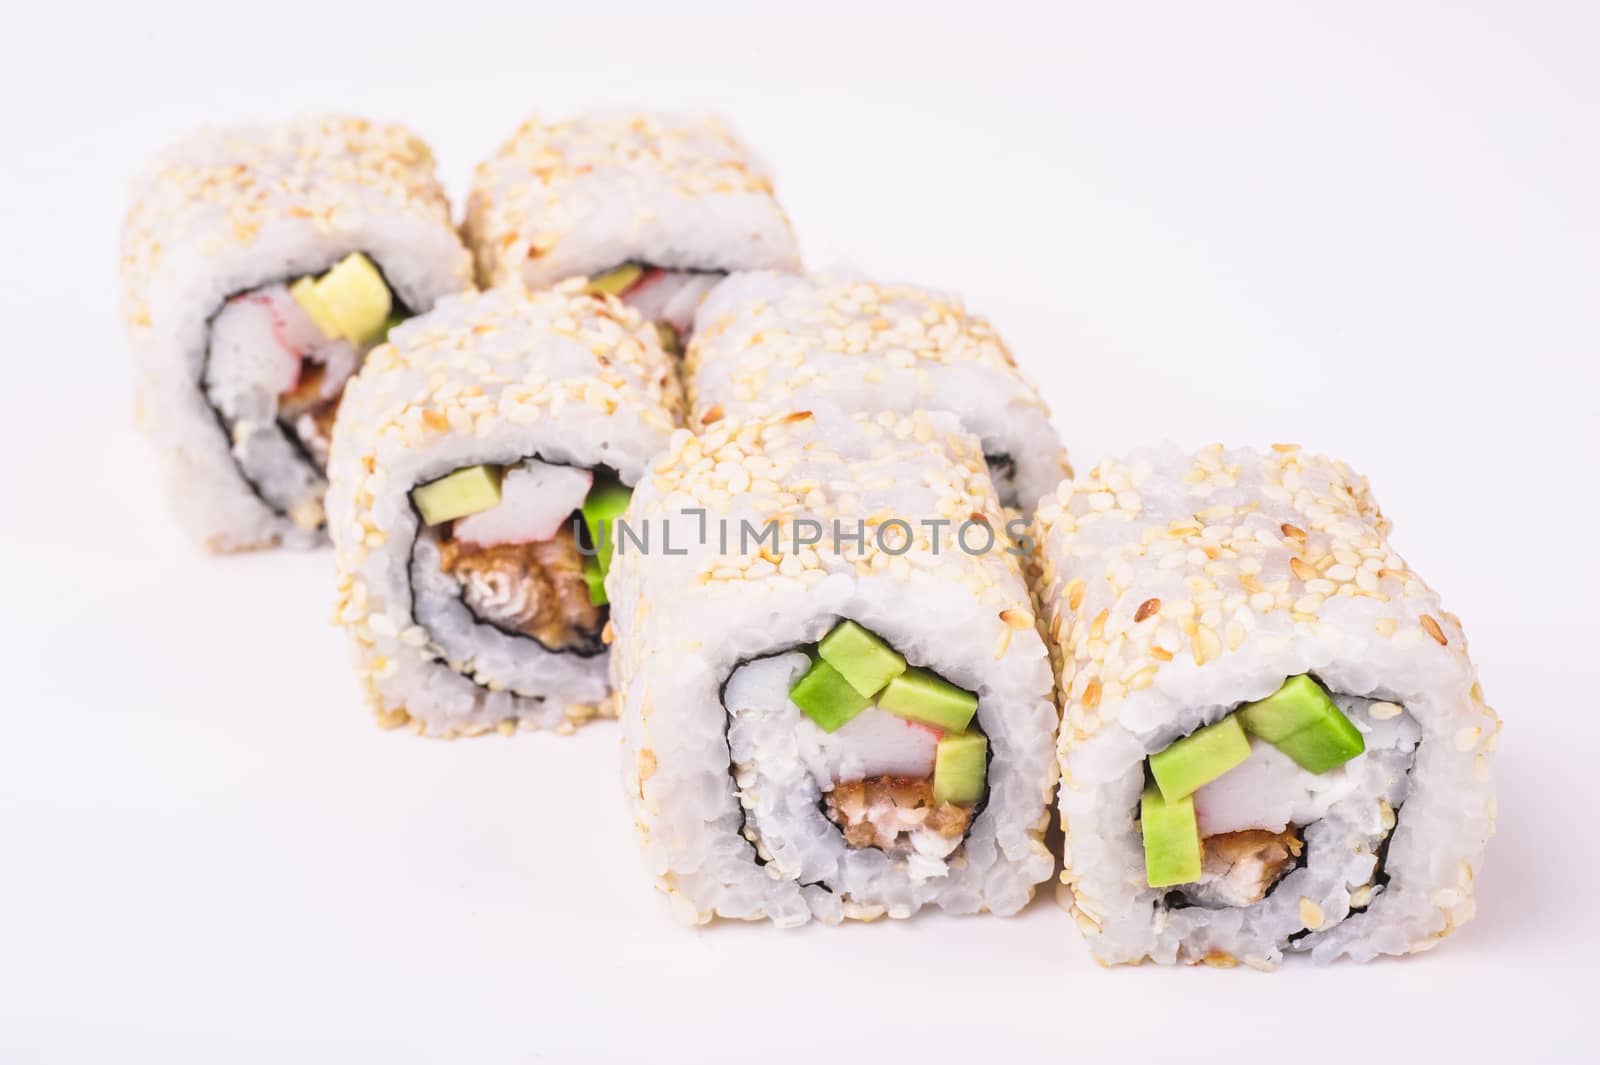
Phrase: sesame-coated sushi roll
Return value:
(654, 208)
(1273, 739)
(835, 701)
(260, 265)
(480, 459)
(767, 342)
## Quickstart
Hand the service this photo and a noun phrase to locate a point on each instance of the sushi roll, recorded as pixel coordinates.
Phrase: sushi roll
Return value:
(1273, 739)
(766, 342)
(480, 459)
(653, 208)
(835, 701)
(260, 265)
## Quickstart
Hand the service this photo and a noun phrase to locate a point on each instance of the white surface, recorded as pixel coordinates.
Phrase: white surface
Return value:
(1371, 228)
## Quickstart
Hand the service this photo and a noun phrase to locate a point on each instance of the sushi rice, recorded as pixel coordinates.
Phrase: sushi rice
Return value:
(218, 225)
(551, 385)
(1178, 587)
(767, 342)
(671, 201)
(727, 777)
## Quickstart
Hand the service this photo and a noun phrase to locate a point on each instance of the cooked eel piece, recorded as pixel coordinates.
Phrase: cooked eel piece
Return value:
(311, 406)
(897, 815)
(535, 590)
(1239, 868)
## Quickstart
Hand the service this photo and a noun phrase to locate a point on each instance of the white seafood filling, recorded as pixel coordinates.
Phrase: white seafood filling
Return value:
(1271, 792)
(671, 296)
(783, 763)
(1346, 815)
(536, 498)
(267, 368)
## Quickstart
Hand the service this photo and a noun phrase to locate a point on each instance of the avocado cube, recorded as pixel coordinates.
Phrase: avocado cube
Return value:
(827, 698)
(1327, 743)
(394, 321)
(455, 495)
(865, 661)
(671, 342)
(304, 292)
(922, 695)
(1298, 703)
(1171, 839)
(1199, 758)
(1302, 721)
(960, 764)
(617, 280)
(595, 578)
(606, 502)
(356, 297)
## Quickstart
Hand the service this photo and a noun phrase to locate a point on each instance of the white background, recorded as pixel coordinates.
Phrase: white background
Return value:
(1369, 228)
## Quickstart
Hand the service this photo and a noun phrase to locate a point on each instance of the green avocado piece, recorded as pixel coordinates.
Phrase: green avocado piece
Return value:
(606, 502)
(1199, 758)
(595, 578)
(393, 322)
(1327, 743)
(617, 280)
(827, 698)
(1171, 839)
(1298, 703)
(960, 764)
(671, 342)
(865, 661)
(923, 695)
(356, 298)
(1302, 720)
(455, 495)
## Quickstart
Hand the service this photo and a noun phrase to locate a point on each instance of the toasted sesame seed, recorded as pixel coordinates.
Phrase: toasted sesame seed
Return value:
(393, 718)
(1075, 589)
(1091, 695)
